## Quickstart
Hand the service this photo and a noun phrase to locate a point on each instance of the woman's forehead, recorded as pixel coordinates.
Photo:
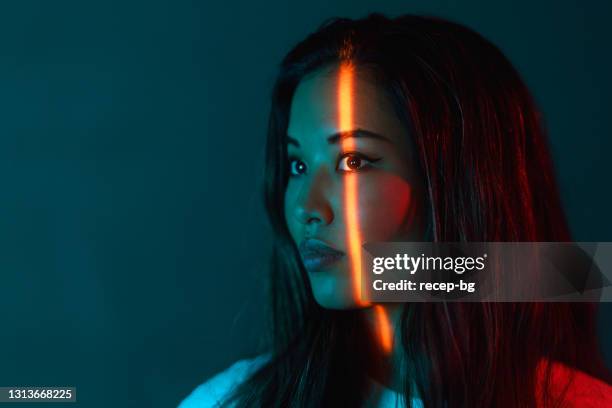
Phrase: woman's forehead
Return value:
(318, 106)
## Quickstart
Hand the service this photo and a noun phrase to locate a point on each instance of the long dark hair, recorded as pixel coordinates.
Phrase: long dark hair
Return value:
(489, 177)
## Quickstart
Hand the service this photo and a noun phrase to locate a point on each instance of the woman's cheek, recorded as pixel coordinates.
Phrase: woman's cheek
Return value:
(385, 200)
(289, 208)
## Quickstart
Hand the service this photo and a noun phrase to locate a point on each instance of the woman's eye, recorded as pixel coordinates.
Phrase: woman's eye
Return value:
(353, 161)
(296, 167)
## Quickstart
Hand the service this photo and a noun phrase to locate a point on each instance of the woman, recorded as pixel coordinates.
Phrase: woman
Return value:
(406, 129)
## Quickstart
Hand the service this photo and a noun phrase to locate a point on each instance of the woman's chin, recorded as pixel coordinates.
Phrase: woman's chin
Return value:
(334, 289)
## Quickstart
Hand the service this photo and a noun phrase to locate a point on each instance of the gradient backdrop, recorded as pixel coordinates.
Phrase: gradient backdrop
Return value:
(133, 241)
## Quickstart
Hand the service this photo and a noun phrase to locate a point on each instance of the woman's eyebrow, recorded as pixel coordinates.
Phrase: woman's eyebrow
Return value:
(356, 133)
(292, 141)
(344, 134)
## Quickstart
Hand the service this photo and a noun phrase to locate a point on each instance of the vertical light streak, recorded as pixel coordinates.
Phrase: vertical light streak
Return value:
(351, 194)
(346, 82)
(384, 329)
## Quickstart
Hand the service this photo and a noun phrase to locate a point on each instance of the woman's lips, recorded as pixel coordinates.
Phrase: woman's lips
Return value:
(317, 255)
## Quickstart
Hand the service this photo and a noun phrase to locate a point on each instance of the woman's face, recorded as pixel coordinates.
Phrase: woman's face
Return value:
(353, 179)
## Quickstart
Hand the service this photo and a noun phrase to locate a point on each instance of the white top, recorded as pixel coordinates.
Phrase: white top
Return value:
(212, 392)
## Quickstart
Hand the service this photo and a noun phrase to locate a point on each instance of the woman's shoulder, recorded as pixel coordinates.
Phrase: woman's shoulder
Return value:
(212, 392)
(580, 388)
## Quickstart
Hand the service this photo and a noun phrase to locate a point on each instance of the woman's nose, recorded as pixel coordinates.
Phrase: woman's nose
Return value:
(313, 205)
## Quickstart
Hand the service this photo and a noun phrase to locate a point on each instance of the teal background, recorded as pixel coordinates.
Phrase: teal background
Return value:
(132, 235)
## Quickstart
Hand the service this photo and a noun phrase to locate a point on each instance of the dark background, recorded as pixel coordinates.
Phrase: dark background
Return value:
(132, 235)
